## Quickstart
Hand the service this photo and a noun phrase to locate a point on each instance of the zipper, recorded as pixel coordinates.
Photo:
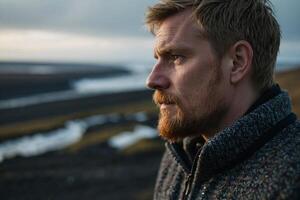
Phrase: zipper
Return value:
(189, 169)
(190, 176)
(185, 166)
(187, 186)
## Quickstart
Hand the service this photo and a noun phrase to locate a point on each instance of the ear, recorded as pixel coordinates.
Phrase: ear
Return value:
(241, 53)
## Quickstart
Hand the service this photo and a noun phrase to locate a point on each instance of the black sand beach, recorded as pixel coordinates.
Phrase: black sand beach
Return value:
(91, 168)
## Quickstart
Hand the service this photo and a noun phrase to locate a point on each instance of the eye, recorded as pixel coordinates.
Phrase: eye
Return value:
(177, 59)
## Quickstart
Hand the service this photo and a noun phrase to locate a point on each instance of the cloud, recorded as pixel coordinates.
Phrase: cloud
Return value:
(99, 17)
(56, 46)
(97, 30)
(287, 13)
(109, 18)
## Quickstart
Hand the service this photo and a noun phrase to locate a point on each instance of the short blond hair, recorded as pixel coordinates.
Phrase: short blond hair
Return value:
(227, 21)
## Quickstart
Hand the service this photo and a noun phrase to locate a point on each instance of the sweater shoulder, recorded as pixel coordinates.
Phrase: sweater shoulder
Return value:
(276, 166)
(283, 151)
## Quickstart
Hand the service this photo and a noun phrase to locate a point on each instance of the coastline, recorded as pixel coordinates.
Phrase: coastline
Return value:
(91, 168)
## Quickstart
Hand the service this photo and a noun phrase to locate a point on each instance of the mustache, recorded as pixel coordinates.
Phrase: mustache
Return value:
(160, 97)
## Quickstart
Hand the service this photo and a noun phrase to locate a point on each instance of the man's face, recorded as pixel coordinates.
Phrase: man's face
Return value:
(188, 80)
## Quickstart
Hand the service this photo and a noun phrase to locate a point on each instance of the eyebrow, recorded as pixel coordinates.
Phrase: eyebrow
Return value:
(162, 51)
(171, 49)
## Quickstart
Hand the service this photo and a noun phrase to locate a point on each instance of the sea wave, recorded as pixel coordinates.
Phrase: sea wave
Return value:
(71, 133)
(128, 138)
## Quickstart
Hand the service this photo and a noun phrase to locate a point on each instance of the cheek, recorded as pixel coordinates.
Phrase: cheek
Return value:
(194, 85)
(192, 82)
(197, 72)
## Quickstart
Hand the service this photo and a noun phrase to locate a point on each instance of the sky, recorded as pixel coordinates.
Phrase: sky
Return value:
(101, 31)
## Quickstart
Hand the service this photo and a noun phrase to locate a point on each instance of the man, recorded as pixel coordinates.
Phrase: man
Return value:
(230, 130)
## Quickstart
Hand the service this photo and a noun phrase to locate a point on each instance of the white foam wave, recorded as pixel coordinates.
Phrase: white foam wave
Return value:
(111, 85)
(41, 143)
(126, 139)
(82, 88)
(60, 138)
(38, 99)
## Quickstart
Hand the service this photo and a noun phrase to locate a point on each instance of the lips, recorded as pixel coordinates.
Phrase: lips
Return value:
(161, 98)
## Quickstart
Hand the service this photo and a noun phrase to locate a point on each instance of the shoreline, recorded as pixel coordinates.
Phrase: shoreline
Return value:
(91, 168)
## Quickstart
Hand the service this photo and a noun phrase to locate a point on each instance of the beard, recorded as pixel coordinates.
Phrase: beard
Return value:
(203, 119)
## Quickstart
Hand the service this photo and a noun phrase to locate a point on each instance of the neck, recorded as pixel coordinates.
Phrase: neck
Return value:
(239, 101)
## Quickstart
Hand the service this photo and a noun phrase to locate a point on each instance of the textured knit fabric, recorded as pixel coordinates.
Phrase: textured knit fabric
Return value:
(257, 157)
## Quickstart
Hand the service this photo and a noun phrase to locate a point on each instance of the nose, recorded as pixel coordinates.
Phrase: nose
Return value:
(158, 79)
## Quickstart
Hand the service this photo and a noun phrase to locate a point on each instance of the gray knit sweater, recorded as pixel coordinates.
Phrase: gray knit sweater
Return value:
(258, 157)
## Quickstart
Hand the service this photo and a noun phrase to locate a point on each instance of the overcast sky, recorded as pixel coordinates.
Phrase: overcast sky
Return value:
(98, 30)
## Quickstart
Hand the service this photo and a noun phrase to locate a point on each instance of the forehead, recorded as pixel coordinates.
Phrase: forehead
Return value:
(180, 29)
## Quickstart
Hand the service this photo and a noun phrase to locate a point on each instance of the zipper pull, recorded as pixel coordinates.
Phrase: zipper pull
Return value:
(187, 186)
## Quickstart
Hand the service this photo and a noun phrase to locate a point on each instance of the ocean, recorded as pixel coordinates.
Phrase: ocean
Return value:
(28, 90)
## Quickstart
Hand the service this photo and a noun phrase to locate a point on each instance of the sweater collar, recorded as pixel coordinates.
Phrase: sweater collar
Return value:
(236, 142)
(266, 95)
(233, 143)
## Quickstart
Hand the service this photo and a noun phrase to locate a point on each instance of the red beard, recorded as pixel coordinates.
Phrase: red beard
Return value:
(171, 127)
(182, 123)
